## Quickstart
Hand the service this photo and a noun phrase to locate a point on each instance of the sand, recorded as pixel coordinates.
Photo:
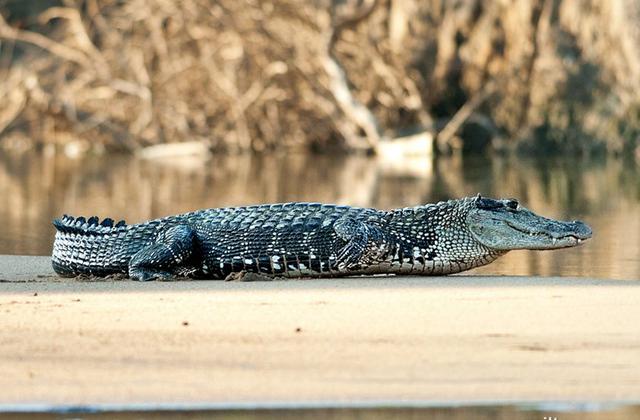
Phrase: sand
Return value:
(444, 339)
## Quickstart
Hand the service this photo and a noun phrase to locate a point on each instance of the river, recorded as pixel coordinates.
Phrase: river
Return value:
(35, 188)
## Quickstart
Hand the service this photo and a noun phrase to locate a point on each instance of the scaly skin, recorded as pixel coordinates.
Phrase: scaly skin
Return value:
(309, 240)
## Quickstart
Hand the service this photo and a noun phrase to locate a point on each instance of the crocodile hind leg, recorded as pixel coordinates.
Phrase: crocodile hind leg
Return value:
(169, 255)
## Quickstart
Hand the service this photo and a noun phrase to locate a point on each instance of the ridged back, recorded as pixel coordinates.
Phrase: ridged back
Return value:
(91, 226)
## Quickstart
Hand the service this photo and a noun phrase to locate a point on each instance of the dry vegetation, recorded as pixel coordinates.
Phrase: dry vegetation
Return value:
(261, 75)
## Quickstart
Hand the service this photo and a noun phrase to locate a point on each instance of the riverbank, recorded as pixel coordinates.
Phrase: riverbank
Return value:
(460, 338)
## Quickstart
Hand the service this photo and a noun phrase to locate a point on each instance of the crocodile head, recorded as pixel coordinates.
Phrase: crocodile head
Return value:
(505, 225)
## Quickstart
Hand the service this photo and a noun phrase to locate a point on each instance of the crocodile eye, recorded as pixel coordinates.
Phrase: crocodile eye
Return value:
(512, 204)
(488, 203)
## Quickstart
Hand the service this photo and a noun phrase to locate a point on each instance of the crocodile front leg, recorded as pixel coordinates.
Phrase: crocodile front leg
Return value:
(169, 255)
(356, 235)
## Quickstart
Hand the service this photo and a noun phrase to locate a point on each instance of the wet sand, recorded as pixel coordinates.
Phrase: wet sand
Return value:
(444, 339)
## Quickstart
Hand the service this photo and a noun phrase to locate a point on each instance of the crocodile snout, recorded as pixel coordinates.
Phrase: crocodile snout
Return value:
(581, 230)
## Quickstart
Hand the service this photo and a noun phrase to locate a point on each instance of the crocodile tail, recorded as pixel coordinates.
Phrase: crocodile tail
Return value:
(91, 226)
(89, 246)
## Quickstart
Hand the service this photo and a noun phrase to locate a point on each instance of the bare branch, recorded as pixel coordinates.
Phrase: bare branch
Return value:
(445, 135)
(41, 41)
(353, 109)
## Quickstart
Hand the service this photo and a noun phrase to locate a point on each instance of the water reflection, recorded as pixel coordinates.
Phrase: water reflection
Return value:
(571, 411)
(605, 193)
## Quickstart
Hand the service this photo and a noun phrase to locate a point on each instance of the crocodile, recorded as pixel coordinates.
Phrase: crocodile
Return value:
(308, 240)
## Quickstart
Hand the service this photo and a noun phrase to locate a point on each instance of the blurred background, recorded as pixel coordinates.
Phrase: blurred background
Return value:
(145, 108)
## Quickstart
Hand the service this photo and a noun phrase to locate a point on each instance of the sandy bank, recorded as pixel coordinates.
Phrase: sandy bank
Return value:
(455, 338)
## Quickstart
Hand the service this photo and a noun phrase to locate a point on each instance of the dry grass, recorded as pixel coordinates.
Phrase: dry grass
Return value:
(280, 74)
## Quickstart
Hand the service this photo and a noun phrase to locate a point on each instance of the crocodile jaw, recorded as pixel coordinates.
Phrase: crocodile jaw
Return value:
(523, 229)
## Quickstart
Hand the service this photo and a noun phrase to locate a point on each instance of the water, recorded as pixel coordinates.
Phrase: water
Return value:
(605, 193)
(524, 411)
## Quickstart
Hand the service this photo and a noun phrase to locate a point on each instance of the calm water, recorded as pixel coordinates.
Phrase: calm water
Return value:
(534, 411)
(605, 193)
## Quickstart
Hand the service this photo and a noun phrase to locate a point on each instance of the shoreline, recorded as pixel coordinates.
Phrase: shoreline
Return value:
(446, 339)
(339, 409)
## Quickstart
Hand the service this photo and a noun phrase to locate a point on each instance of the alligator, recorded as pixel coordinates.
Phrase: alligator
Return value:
(308, 240)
